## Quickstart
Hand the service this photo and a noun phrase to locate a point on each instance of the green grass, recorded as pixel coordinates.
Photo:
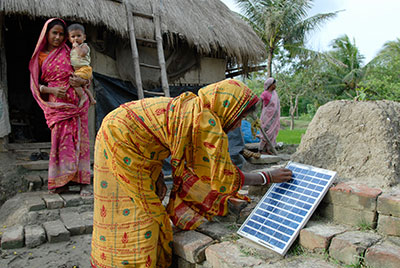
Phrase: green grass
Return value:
(288, 136)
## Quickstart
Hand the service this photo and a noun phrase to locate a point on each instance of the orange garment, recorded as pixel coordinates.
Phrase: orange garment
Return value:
(131, 227)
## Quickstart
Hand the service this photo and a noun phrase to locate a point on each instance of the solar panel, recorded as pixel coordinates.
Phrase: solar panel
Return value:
(286, 207)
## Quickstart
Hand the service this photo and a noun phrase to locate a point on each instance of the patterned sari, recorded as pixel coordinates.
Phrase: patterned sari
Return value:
(131, 227)
(69, 155)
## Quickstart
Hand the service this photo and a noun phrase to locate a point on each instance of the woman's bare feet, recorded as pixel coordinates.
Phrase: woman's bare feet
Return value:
(59, 190)
(86, 190)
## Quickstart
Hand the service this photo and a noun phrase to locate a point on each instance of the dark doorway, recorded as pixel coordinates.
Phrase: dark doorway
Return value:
(27, 119)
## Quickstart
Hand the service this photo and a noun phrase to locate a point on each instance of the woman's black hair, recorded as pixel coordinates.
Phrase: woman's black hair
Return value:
(54, 23)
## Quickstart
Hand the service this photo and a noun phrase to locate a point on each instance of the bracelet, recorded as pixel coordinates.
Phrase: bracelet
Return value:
(41, 88)
(268, 176)
(264, 178)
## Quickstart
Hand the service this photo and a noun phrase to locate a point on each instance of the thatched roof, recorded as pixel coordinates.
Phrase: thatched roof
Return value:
(208, 25)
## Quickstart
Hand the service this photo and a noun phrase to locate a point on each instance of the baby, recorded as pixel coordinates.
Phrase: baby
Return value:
(80, 59)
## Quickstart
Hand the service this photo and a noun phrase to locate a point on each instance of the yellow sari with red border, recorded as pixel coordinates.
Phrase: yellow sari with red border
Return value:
(131, 227)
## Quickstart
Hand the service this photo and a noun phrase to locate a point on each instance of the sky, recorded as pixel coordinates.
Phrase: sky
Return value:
(370, 23)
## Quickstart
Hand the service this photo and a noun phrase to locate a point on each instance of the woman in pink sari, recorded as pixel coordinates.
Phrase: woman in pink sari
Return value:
(51, 86)
(270, 115)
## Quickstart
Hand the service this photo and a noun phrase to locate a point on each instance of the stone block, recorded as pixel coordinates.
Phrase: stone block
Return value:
(72, 200)
(384, 255)
(236, 205)
(53, 201)
(389, 204)
(316, 236)
(217, 230)
(34, 236)
(348, 216)
(246, 212)
(56, 231)
(389, 225)
(246, 245)
(73, 222)
(88, 200)
(182, 263)
(88, 220)
(190, 245)
(13, 237)
(265, 159)
(35, 203)
(349, 247)
(353, 195)
(227, 254)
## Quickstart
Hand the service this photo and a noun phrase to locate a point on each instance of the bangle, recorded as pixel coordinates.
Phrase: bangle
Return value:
(264, 178)
(268, 175)
(41, 88)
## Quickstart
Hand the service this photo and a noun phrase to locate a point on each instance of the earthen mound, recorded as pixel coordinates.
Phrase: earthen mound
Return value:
(358, 140)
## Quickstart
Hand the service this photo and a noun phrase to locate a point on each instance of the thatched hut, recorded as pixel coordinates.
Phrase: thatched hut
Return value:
(202, 40)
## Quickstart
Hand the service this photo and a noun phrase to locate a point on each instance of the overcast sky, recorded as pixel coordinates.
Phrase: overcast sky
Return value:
(370, 22)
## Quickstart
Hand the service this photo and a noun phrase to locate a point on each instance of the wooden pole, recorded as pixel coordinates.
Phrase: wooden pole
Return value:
(160, 51)
(135, 53)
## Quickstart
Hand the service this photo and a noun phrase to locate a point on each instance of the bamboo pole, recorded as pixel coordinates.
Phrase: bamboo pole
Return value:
(135, 53)
(160, 52)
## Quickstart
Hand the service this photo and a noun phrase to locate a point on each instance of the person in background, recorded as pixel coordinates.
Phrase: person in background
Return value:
(270, 117)
(52, 87)
(131, 226)
(80, 60)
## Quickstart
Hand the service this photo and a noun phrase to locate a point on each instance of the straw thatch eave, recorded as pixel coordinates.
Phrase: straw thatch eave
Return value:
(207, 25)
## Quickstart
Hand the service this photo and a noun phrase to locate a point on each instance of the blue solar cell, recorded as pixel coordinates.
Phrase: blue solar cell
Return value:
(298, 218)
(249, 230)
(327, 177)
(257, 219)
(316, 181)
(321, 182)
(319, 188)
(307, 192)
(319, 175)
(311, 200)
(311, 173)
(315, 194)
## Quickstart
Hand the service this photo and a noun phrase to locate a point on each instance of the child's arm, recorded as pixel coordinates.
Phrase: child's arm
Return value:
(82, 50)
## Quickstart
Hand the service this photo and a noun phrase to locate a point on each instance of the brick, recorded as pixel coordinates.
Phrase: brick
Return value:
(73, 222)
(53, 201)
(353, 195)
(56, 231)
(190, 245)
(88, 220)
(217, 230)
(348, 216)
(34, 236)
(262, 252)
(227, 254)
(72, 200)
(349, 247)
(13, 237)
(389, 225)
(385, 255)
(317, 236)
(389, 204)
(35, 203)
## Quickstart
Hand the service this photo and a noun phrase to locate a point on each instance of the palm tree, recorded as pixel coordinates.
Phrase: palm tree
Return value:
(281, 23)
(346, 70)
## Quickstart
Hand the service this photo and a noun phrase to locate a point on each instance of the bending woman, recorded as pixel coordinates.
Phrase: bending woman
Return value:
(131, 227)
(51, 86)
(270, 116)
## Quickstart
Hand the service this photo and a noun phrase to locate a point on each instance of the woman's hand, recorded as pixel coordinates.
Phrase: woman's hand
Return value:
(59, 92)
(76, 81)
(161, 188)
(280, 175)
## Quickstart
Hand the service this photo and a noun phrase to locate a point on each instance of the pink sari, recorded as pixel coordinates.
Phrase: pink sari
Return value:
(270, 115)
(69, 155)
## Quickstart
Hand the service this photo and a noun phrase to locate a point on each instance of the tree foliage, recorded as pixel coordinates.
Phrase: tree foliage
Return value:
(281, 23)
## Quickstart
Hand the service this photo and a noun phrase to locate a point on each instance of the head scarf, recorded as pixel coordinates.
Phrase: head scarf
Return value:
(266, 95)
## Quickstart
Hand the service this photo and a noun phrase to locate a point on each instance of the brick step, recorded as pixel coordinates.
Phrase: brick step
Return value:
(33, 218)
